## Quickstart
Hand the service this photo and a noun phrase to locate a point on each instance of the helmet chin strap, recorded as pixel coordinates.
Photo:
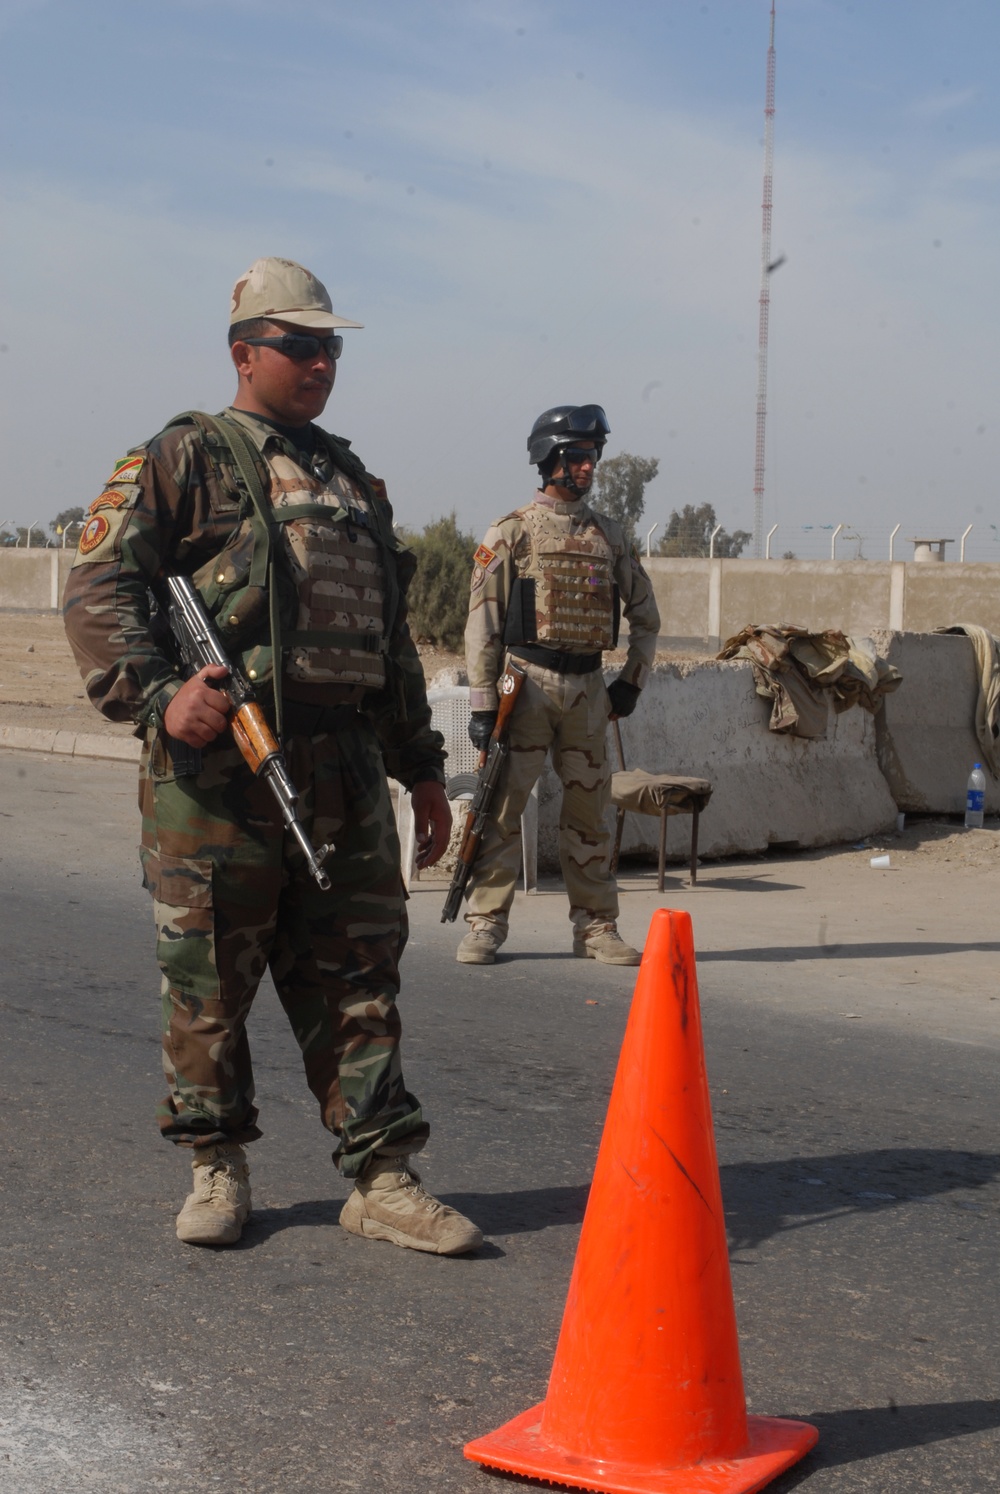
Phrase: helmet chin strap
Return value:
(567, 480)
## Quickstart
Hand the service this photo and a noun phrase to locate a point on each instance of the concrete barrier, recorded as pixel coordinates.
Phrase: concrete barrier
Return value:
(925, 735)
(705, 720)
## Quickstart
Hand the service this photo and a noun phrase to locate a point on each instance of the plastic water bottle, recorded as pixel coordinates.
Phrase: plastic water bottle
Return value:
(975, 794)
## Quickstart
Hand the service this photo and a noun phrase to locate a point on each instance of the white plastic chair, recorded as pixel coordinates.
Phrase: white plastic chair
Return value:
(450, 713)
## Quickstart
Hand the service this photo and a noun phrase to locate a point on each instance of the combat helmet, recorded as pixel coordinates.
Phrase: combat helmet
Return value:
(562, 426)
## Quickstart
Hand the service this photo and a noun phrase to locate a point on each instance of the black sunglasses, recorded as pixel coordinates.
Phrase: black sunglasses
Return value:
(300, 345)
(581, 454)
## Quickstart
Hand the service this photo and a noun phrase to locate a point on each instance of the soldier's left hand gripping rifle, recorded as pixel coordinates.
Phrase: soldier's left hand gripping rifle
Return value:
(199, 644)
(476, 820)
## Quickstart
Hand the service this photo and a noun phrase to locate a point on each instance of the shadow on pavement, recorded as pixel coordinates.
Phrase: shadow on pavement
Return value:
(676, 880)
(324, 1212)
(786, 953)
(763, 1199)
(870, 1432)
(263, 1223)
(523, 1212)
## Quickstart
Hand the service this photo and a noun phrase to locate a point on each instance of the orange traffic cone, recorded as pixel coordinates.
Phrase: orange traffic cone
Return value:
(646, 1392)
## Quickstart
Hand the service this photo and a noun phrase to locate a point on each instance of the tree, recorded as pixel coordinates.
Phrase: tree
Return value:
(438, 597)
(620, 488)
(689, 533)
(68, 516)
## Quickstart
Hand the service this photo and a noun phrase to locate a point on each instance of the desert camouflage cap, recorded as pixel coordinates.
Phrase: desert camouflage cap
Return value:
(282, 289)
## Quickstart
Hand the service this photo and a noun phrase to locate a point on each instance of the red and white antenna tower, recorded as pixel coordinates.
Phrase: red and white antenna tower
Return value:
(765, 303)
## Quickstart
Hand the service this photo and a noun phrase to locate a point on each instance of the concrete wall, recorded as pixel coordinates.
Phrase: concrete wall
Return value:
(710, 600)
(938, 596)
(33, 580)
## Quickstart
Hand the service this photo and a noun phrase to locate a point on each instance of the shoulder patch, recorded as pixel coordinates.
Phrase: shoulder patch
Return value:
(127, 470)
(95, 531)
(110, 498)
(378, 488)
(105, 522)
(486, 558)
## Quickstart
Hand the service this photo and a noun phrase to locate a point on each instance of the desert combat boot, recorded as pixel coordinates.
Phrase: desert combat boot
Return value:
(388, 1203)
(480, 945)
(214, 1214)
(606, 945)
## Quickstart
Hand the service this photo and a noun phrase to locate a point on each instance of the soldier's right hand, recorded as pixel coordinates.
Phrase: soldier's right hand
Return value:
(481, 724)
(199, 711)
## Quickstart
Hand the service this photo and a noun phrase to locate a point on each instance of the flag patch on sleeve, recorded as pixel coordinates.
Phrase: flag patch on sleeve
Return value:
(487, 558)
(127, 470)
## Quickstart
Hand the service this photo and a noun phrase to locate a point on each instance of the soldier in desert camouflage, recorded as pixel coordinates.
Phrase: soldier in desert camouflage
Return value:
(549, 583)
(294, 556)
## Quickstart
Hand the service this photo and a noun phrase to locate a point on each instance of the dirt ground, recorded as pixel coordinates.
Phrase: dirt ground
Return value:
(40, 687)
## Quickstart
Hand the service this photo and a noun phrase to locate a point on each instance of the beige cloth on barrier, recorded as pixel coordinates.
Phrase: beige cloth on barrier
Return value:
(646, 793)
(802, 672)
(987, 723)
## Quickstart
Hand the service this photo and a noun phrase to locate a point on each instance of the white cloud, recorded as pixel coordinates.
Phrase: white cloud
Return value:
(948, 101)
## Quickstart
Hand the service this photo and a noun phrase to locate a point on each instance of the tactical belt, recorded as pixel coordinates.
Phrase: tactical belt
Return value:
(301, 720)
(551, 658)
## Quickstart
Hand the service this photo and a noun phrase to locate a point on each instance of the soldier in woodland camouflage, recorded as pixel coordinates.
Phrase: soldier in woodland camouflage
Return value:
(549, 583)
(289, 541)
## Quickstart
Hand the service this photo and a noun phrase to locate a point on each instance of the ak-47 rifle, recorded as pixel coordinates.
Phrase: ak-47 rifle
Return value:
(511, 681)
(199, 644)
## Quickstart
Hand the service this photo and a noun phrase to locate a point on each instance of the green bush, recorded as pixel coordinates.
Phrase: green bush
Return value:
(439, 593)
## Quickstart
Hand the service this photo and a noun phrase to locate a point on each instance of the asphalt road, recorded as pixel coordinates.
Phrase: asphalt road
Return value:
(852, 1042)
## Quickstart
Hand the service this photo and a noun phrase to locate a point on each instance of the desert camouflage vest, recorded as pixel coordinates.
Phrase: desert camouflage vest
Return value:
(574, 581)
(326, 530)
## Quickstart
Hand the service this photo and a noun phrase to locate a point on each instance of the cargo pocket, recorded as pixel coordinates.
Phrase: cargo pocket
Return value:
(599, 708)
(177, 881)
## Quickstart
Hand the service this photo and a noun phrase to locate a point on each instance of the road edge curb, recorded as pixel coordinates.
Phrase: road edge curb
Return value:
(70, 743)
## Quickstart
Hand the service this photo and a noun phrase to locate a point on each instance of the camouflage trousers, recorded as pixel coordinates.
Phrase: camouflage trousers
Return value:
(233, 897)
(569, 715)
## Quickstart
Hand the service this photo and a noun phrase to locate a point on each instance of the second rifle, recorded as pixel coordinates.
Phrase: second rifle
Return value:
(476, 820)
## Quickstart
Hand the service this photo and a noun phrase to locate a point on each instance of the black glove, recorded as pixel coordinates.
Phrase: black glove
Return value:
(481, 724)
(623, 696)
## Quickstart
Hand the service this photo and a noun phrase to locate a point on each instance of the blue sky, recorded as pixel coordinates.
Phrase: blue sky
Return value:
(526, 204)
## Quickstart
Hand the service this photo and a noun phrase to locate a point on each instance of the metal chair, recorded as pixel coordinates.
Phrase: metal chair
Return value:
(658, 794)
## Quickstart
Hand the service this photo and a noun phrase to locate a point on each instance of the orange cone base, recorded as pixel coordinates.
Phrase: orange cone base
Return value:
(518, 1447)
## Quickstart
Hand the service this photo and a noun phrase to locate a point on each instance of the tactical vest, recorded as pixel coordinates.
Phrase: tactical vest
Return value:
(336, 564)
(311, 571)
(574, 591)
